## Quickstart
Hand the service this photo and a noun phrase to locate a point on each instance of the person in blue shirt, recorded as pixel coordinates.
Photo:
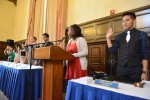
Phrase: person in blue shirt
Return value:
(133, 50)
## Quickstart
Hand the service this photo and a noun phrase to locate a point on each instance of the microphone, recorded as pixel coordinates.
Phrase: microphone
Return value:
(51, 42)
(48, 42)
(28, 45)
(62, 39)
(31, 45)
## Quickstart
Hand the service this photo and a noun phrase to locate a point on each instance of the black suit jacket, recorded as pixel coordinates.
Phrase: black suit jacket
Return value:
(47, 44)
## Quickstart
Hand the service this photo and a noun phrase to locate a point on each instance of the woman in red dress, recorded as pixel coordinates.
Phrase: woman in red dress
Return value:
(77, 46)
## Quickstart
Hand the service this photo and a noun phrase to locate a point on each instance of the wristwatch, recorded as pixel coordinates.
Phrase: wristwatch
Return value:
(146, 72)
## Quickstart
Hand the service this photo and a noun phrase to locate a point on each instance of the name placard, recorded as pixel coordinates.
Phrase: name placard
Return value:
(107, 83)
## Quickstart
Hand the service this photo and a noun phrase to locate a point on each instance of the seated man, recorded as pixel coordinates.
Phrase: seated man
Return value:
(28, 49)
(46, 40)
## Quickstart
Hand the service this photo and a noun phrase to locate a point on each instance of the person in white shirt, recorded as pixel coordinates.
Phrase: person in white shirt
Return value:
(33, 40)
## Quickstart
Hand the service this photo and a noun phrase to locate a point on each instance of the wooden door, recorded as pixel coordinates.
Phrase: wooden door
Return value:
(97, 57)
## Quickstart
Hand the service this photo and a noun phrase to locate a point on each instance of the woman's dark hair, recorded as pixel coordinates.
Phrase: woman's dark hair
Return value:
(131, 14)
(76, 31)
(16, 47)
(23, 43)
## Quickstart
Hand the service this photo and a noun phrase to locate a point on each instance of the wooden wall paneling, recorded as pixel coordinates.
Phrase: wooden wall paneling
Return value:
(117, 26)
(89, 32)
(2, 48)
(101, 30)
(143, 20)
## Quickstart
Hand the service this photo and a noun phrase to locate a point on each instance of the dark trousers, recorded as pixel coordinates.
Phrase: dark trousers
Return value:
(131, 74)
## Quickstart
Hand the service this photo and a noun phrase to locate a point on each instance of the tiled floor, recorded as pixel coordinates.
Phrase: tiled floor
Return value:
(2, 96)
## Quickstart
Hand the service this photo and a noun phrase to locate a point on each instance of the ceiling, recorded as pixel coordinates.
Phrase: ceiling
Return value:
(13, 1)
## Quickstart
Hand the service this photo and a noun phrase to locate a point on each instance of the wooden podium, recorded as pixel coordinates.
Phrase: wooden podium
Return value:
(53, 57)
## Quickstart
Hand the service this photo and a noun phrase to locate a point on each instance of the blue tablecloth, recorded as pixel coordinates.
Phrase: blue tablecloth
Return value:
(77, 91)
(14, 83)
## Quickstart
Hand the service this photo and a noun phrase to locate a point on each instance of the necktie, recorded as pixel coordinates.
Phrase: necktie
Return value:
(128, 36)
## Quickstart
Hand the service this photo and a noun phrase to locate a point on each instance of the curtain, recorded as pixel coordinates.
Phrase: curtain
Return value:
(50, 26)
(56, 19)
(39, 20)
(53, 22)
(61, 19)
(31, 19)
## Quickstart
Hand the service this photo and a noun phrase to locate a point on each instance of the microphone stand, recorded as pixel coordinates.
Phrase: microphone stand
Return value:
(59, 41)
(30, 71)
(29, 49)
(30, 86)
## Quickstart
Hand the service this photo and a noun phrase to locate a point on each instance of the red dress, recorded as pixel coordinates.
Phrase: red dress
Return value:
(74, 70)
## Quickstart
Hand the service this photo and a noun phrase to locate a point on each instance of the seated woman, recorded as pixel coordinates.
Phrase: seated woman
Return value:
(11, 54)
(17, 52)
(22, 53)
(77, 46)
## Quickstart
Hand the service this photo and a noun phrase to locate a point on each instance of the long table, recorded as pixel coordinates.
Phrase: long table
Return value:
(79, 89)
(15, 79)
